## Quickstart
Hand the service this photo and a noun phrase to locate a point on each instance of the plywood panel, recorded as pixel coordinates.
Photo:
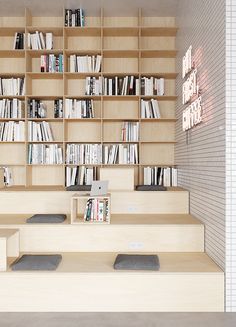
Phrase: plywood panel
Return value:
(46, 87)
(83, 43)
(12, 154)
(47, 176)
(120, 109)
(120, 42)
(157, 65)
(158, 21)
(154, 154)
(84, 132)
(12, 65)
(121, 21)
(120, 65)
(158, 43)
(159, 132)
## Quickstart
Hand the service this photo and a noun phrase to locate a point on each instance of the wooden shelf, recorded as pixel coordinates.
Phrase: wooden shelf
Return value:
(158, 31)
(129, 46)
(12, 53)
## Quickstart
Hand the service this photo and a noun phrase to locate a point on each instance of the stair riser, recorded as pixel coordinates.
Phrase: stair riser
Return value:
(175, 202)
(111, 238)
(119, 292)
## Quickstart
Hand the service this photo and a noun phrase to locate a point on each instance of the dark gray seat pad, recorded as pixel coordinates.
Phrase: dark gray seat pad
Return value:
(136, 262)
(46, 219)
(37, 262)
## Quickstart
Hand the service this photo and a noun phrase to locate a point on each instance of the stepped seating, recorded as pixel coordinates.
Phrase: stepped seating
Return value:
(188, 279)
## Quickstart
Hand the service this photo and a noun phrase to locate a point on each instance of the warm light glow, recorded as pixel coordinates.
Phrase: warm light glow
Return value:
(192, 115)
(190, 87)
(187, 62)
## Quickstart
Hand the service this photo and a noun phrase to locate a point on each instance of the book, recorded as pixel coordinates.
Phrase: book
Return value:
(96, 210)
(45, 154)
(152, 86)
(11, 108)
(19, 41)
(126, 85)
(80, 154)
(40, 132)
(80, 175)
(75, 108)
(51, 63)
(74, 18)
(12, 86)
(163, 176)
(36, 109)
(39, 41)
(130, 132)
(85, 64)
(6, 177)
(12, 131)
(150, 109)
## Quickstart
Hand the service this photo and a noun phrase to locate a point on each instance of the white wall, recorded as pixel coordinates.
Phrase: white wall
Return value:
(200, 153)
(231, 155)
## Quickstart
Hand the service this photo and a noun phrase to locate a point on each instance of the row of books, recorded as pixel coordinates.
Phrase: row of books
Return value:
(12, 86)
(10, 108)
(58, 108)
(39, 41)
(39, 132)
(121, 154)
(96, 210)
(150, 109)
(47, 154)
(19, 41)
(93, 85)
(36, 109)
(166, 176)
(128, 85)
(152, 86)
(85, 64)
(7, 176)
(80, 175)
(130, 132)
(51, 63)
(88, 154)
(75, 108)
(74, 18)
(12, 131)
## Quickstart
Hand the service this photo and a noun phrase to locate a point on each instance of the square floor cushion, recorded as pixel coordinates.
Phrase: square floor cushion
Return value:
(37, 262)
(136, 262)
(46, 219)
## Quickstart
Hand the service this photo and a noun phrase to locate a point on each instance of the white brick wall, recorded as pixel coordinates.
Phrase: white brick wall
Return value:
(230, 156)
(200, 153)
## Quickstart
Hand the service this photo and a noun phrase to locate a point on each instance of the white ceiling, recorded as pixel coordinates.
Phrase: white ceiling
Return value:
(92, 7)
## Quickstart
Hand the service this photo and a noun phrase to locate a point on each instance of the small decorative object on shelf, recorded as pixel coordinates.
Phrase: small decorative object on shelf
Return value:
(90, 209)
(6, 177)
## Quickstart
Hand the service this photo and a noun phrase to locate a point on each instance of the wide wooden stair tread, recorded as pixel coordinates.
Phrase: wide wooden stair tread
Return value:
(95, 262)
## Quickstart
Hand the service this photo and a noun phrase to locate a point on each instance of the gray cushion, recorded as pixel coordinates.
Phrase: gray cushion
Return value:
(79, 188)
(136, 262)
(46, 219)
(37, 262)
(151, 188)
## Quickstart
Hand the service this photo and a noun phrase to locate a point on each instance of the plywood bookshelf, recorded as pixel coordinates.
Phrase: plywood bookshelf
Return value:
(135, 45)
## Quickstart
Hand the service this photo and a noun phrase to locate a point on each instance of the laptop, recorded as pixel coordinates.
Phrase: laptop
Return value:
(99, 188)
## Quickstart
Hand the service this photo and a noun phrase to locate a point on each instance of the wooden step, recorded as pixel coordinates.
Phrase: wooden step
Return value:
(172, 201)
(127, 232)
(87, 282)
(9, 246)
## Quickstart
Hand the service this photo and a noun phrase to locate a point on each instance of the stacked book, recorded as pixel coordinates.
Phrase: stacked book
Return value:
(80, 154)
(7, 176)
(12, 131)
(93, 86)
(51, 63)
(80, 175)
(96, 210)
(10, 108)
(128, 85)
(58, 108)
(45, 154)
(150, 109)
(130, 132)
(85, 64)
(74, 18)
(165, 176)
(152, 86)
(39, 41)
(79, 108)
(39, 132)
(121, 154)
(36, 109)
(19, 41)
(12, 86)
